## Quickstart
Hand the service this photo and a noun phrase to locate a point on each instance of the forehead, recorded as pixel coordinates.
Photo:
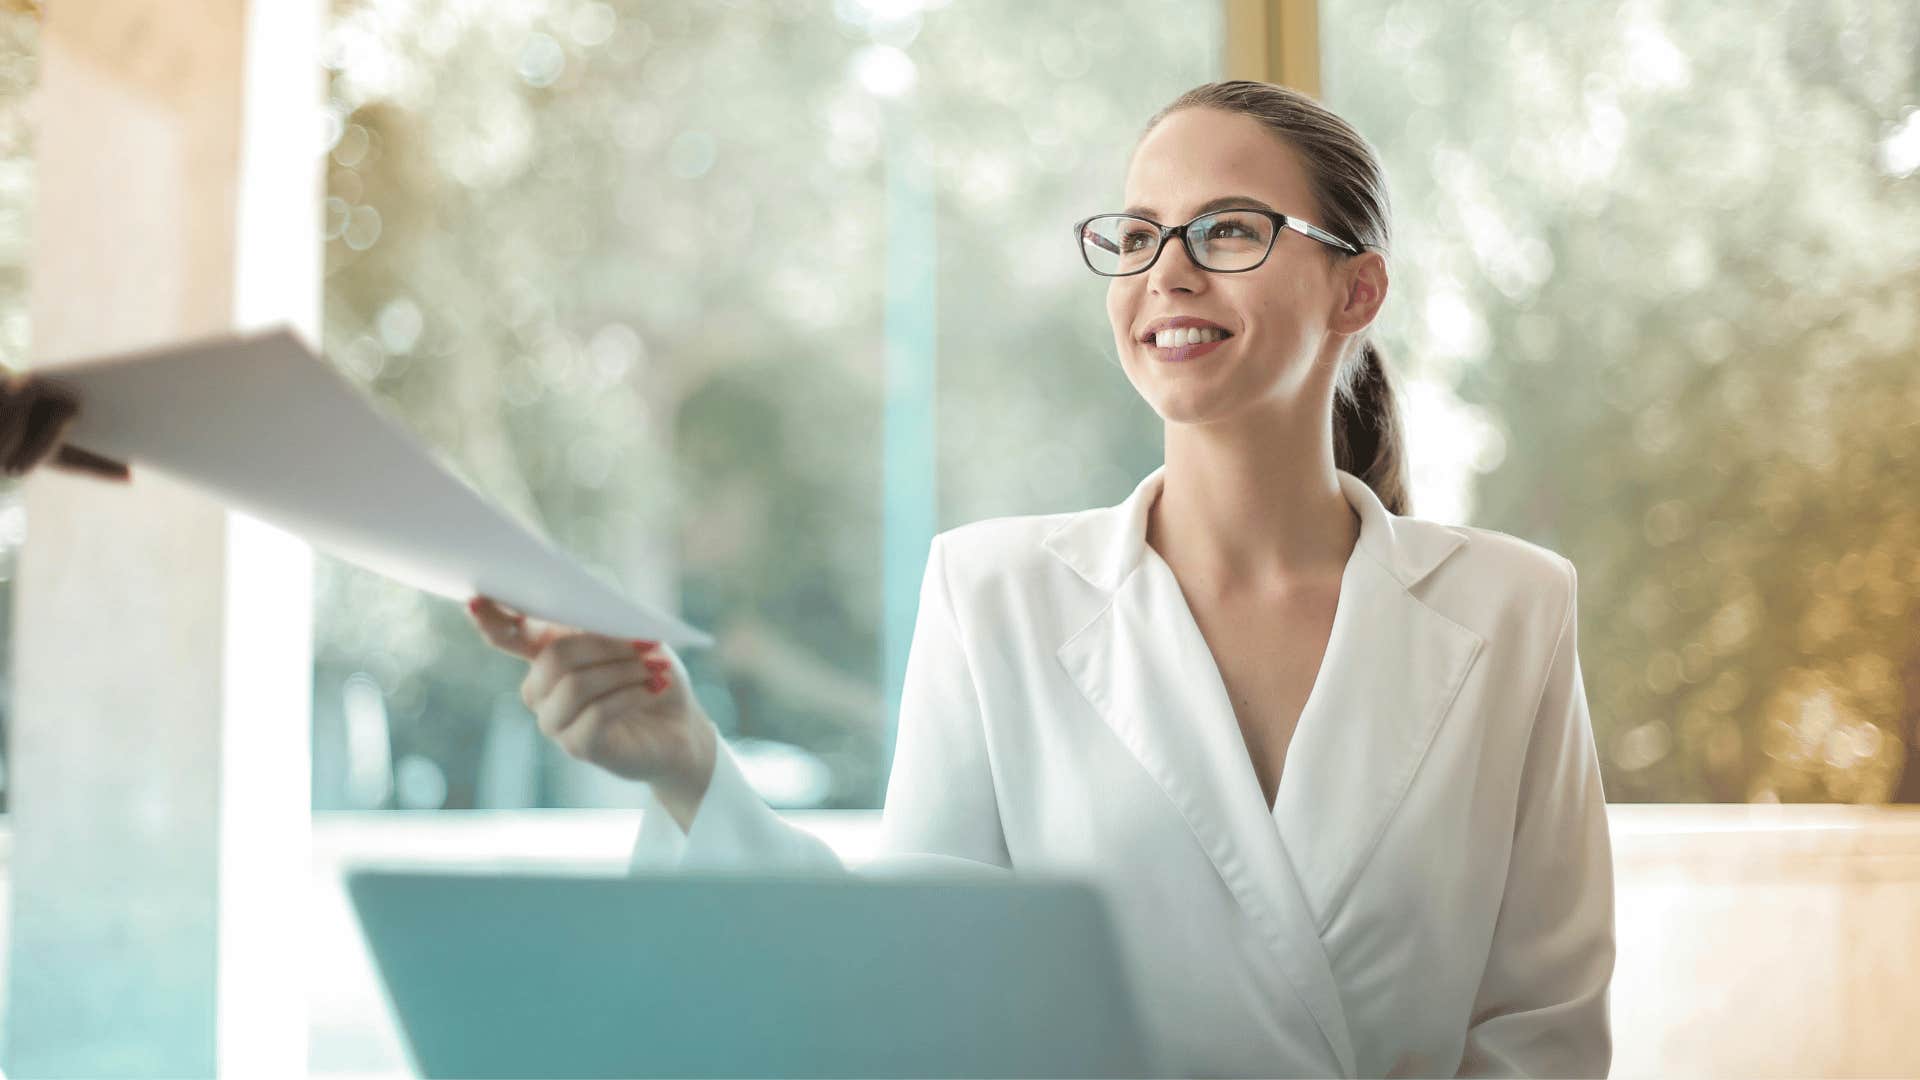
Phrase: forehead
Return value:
(1198, 155)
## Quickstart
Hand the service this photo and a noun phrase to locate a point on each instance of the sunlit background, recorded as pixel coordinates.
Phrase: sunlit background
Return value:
(1656, 302)
(740, 301)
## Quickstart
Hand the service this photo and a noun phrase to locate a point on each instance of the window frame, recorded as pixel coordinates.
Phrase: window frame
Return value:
(1276, 41)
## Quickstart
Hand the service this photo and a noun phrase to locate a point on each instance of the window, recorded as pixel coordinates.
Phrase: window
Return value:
(1656, 283)
(738, 302)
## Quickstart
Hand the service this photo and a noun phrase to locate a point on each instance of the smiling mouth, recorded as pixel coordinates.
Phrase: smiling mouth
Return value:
(1186, 351)
(1187, 335)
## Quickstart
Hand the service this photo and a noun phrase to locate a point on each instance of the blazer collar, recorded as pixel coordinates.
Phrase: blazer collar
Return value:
(1105, 544)
(1144, 667)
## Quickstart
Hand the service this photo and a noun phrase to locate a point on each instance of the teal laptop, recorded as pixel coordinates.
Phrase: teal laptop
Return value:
(733, 976)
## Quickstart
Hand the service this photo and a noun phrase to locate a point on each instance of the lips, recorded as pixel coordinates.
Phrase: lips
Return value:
(1193, 325)
(1181, 353)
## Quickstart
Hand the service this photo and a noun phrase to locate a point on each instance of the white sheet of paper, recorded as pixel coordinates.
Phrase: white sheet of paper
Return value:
(268, 428)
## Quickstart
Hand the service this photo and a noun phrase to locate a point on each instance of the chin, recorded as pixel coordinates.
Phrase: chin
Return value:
(1188, 405)
(1175, 395)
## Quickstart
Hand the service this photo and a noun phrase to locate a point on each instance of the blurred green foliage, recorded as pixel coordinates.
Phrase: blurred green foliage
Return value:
(1656, 303)
(1671, 250)
(625, 266)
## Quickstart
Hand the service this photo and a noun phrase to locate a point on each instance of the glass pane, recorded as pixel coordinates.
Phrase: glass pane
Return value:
(1655, 278)
(19, 71)
(742, 343)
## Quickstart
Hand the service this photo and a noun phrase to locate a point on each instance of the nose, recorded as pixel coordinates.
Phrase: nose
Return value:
(1175, 269)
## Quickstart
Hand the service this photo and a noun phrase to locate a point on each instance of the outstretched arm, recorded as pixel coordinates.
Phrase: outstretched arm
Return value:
(941, 813)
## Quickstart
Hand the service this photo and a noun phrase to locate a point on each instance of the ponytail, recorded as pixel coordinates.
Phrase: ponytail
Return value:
(1368, 439)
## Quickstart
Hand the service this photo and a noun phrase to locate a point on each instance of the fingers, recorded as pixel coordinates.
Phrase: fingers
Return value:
(507, 630)
(85, 461)
(499, 629)
(578, 684)
(34, 418)
(572, 652)
(47, 422)
(583, 738)
(16, 401)
(581, 689)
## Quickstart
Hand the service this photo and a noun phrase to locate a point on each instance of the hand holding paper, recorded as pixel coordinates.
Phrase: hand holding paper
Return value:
(34, 418)
(264, 425)
(621, 705)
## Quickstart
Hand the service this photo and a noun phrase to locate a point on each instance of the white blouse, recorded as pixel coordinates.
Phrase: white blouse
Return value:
(1432, 891)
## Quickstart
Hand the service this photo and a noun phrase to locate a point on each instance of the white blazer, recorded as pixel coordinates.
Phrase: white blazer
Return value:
(1432, 891)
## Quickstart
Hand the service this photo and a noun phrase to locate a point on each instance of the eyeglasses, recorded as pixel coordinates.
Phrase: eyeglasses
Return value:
(1224, 242)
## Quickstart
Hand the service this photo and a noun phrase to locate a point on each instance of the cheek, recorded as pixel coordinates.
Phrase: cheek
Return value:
(1299, 294)
(1122, 302)
(1276, 309)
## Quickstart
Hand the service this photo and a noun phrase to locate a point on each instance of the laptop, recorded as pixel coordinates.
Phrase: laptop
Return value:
(731, 975)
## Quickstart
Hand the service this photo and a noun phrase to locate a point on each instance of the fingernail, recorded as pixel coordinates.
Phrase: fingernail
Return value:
(656, 684)
(473, 604)
(643, 646)
(655, 663)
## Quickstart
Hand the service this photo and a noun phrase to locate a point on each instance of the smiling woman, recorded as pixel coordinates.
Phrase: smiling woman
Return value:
(1332, 176)
(1318, 870)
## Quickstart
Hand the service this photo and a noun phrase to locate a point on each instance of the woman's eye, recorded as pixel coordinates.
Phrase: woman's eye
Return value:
(1134, 241)
(1226, 229)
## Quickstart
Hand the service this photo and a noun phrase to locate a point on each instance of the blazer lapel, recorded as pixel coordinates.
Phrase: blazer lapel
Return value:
(1392, 668)
(1144, 666)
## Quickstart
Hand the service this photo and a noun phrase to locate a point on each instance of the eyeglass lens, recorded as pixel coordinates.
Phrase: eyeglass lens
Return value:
(1227, 241)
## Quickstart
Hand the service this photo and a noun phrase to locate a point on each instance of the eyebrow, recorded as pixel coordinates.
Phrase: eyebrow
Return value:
(1221, 203)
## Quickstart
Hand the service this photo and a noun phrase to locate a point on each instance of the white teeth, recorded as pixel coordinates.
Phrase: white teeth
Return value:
(1191, 335)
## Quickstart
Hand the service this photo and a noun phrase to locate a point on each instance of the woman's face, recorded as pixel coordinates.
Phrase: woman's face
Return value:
(1277, 316)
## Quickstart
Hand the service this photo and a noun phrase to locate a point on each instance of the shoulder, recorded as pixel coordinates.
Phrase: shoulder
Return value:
(997, 548)
(1491, 554)
(1497, 582)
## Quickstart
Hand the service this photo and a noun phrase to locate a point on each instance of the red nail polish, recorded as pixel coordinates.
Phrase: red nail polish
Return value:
(643, 646)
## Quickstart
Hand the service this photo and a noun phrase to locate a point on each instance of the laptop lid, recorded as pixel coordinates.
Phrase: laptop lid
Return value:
(706, 975)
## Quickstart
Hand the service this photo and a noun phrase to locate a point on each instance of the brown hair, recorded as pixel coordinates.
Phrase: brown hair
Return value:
(1351, 192)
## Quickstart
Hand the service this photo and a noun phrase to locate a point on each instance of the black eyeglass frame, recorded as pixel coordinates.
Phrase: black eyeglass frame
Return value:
(1281, 222)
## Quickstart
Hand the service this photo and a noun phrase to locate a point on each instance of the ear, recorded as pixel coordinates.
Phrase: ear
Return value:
(1362, 280)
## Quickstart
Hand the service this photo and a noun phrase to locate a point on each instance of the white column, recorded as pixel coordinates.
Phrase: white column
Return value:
(162, 659)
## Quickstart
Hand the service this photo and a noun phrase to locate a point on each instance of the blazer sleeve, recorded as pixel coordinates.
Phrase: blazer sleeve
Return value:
(940, 815)
(1541, 1008)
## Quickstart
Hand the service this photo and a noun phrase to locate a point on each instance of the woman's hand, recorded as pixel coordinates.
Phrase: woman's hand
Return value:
(34, 417)
(619, 704)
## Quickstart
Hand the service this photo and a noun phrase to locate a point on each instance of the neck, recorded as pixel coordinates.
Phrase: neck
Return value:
(1253, 505)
